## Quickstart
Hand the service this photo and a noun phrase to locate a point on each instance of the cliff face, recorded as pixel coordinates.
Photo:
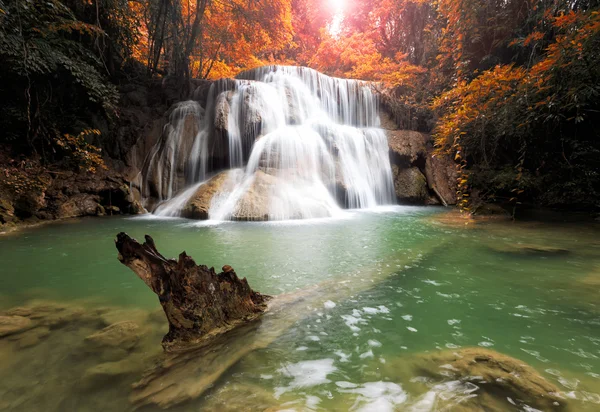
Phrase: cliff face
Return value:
(420, 176)
(30, 193)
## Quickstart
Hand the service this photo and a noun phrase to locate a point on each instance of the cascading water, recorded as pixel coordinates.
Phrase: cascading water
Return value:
(305, 145)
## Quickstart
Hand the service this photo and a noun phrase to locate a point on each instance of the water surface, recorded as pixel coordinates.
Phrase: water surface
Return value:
(396, 282)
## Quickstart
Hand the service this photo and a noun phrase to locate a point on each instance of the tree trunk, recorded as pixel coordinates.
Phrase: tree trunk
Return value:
(199, 303)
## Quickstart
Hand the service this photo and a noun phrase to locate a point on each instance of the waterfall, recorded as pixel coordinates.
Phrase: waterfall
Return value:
(306, 145)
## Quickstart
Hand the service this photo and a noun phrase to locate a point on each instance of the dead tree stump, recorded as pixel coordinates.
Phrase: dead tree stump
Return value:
(199, 303)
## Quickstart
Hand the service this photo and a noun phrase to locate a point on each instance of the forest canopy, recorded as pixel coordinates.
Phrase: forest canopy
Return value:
(509, 88)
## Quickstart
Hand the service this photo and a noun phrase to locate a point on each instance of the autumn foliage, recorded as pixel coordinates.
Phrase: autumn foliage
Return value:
(509, 88)
(520, 131)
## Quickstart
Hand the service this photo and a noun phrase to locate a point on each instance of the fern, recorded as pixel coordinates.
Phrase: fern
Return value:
(49, 61)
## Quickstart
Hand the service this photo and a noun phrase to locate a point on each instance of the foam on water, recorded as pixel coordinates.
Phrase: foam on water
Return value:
(375, 396)
(306, 374)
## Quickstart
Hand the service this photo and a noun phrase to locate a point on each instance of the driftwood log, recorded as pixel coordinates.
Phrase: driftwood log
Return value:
(178, 377)
(199, 303)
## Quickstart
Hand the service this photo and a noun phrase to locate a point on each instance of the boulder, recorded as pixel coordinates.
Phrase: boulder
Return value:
(493, 375)
(14, 324)
(199, 204)
(410, 185)
(442, 175)
(407, 146)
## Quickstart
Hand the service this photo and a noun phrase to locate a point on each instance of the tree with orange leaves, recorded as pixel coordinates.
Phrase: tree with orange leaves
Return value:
(529, 133)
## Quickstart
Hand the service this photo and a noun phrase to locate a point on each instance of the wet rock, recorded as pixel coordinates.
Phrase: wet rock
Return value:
(123, 335)
(112, 210)
(254, 109)
(296, 112)
(410, 185)
(494, 375)
(165, 173)
(255, 203)
(14, 324)
(453, 218)
(222, 109)
(199, 303)
(199, 204)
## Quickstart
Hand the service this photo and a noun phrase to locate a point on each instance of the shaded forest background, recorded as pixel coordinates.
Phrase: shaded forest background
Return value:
(509, 88)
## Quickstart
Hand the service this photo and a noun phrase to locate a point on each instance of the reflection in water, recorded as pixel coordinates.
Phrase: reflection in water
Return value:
(390, 286)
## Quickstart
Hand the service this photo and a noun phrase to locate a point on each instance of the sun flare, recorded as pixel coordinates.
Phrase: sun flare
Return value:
(337, 4)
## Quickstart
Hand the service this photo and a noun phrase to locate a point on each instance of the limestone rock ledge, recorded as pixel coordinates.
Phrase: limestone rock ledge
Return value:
(420, 176)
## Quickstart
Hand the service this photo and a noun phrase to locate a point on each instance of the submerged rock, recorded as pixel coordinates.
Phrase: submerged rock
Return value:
(528, 249)
(108, 371)
(124, 335)
(198, 302)
(31, 337)
(592, 279)
(495, 378)
(14, 324)
(52, 314)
